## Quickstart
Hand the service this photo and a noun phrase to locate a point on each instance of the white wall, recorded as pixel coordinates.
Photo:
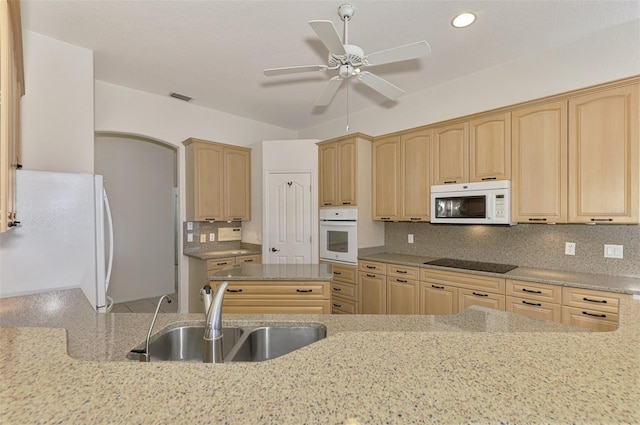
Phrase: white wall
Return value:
(140, 179)
(609, 55)
(57, 108)
(280, 156)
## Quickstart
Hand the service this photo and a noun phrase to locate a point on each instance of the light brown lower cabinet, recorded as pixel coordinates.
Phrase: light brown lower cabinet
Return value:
(276, 297)
(532, 308)
(469, 297)
(402, 296)
(534, 299)
(344, 289)
(595, 310)
(372, 287)
(438, 299)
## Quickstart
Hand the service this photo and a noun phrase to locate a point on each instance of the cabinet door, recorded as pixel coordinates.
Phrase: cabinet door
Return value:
(255, 259)
(347, 172)
(386, 178)
(373, 293)
(490, 148)
(539, 159)
(327, 162)
(438, 299)
(416, 175)
(402, 296)
(450, 154)
(231, 306)
(534, 308)
(469, 297)
(237, 189)
(208, 181)
(590, 319)
(603, 156)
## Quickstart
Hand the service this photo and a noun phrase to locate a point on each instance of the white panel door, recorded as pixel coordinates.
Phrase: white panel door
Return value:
(288, 218)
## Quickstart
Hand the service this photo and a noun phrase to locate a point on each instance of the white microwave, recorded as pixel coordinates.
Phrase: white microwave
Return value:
(472, 203)
(339, 235)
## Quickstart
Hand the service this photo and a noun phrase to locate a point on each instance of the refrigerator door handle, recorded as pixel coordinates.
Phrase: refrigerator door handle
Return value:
(107, 208)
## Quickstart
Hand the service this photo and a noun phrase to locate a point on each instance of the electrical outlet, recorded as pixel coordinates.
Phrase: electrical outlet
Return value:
(613, 251)
(203, 238)
(189, 237)
(570, 248)
(410, 238)
(212, 237)
(189, 225)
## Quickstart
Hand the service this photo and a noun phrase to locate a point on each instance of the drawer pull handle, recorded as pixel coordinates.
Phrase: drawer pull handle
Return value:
(346, 203)
(450, 181)
(304, 290)
(437, 287)
(370, 275)
(338, 273)
(603, 316)
(234, 290)
(530, 291)
(537, 219)
(327, 203)
(480, 295)
(247, 260)
(385, 218)
(224, 263)
(401, 280)
(488, 178)
(415, 219)
(337, 289)
(534, 304)
(402, 271)
(337, 305)
(594, 301)
(371, 267)
(601, 219)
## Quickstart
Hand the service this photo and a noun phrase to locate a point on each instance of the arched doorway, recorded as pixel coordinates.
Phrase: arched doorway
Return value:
(141, 181)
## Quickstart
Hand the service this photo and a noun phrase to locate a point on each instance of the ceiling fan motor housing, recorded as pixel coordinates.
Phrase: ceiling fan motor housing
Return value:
(354, 57)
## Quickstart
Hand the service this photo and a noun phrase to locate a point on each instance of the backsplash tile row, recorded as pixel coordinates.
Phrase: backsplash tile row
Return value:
(528, 245)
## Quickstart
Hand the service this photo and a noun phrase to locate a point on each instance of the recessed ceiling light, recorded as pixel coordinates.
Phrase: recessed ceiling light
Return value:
(463, 20)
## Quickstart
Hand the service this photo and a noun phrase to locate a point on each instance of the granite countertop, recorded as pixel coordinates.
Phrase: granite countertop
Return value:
(480, 366)
(618, 284)
(211, 255)
(262, 272)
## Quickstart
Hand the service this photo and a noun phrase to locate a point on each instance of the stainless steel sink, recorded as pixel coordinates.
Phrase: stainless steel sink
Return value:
(184, 344)
(266, 343)
(240, 344)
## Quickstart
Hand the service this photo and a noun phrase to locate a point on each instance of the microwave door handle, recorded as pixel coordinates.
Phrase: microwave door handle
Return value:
(490, 206)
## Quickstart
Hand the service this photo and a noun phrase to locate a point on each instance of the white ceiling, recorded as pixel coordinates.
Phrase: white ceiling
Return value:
(215, 50)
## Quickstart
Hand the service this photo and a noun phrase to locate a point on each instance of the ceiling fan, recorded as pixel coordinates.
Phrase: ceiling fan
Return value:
(349, 59)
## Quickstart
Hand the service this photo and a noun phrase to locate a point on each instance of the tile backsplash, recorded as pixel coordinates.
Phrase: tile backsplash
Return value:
(527, 245)
(205, 228)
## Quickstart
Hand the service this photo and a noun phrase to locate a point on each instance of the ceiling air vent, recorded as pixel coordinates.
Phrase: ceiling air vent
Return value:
(180, 96)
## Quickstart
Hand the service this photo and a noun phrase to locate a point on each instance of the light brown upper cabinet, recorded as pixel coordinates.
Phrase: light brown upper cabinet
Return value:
(415, 147)
(338, 165)
(473, 151)
(386, 178)
(218, 181)
(11, 92)
(450, 154)
(539, 159)
(604, 153)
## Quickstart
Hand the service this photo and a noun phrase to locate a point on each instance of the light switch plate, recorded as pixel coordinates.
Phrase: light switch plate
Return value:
(212, 237)
(189, 237)
(614, 251)
(410, 238)
(570, 248)
(189, 225)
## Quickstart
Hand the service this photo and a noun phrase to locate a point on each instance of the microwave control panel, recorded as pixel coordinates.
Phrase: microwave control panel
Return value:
(501, 206)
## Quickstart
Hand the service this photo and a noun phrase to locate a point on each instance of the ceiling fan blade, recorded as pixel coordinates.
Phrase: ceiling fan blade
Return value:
(329, 36)
(401, 53)
(294, 69)
(383, 87)
(329, 91)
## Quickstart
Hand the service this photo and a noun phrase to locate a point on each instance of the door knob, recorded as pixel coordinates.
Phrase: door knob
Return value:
(274, 249)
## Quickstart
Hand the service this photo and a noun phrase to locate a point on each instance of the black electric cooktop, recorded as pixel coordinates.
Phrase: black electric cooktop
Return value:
(472, 265)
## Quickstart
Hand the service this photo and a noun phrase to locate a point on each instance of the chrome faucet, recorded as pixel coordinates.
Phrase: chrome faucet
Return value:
(213, 325)
(146, 356)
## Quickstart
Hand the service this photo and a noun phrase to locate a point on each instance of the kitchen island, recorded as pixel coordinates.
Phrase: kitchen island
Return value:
(480, 366)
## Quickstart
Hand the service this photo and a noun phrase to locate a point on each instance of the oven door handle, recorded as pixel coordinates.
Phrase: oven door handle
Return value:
(345, 223)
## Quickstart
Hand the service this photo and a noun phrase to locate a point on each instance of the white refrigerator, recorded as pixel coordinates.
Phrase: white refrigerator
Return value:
(64, 240)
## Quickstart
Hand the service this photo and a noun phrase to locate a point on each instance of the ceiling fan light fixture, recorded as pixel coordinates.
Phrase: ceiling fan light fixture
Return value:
(463, 20)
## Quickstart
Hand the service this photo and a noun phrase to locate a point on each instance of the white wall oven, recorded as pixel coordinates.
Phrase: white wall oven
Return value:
(339, 235)
(472, 203)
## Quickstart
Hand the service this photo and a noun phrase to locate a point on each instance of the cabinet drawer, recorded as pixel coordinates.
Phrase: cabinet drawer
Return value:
(256, 259)
(592, 300)
(344, 290)
(371, 266)
(590, 319)
(343, 306)
(469, 297)
(276, 289)
(535, 308)
(220, 263)
(344, 273)
(534, 291)
(238, 306)
(403, 272)
(464, 280)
